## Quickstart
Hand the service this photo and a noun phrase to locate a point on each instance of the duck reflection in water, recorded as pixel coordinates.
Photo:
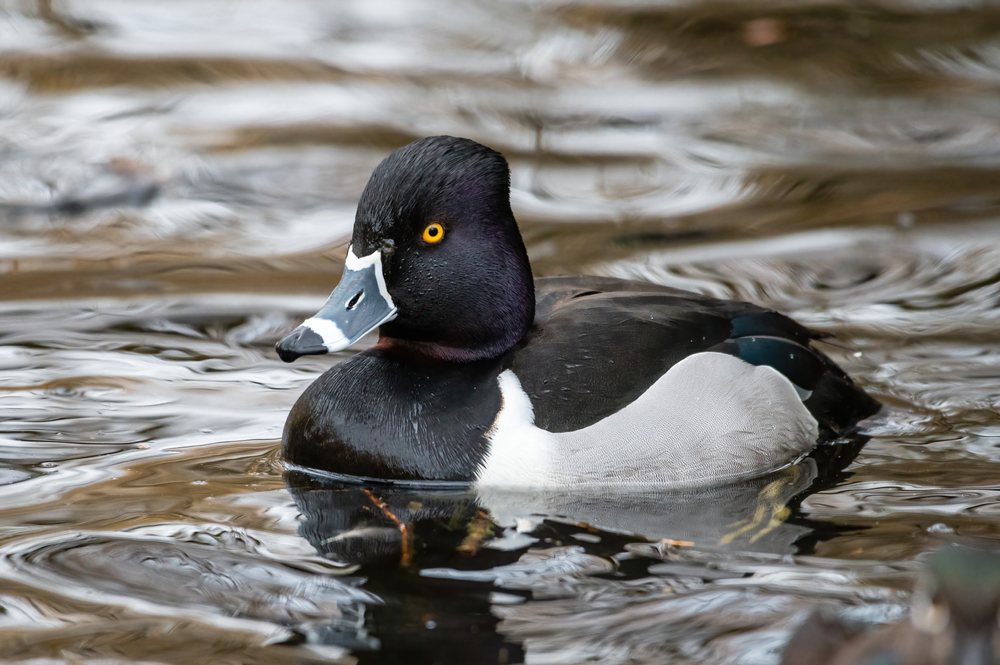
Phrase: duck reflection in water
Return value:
(954, 621)
(432, 551)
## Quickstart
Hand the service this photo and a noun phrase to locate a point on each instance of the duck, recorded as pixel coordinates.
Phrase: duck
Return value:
(483, 374)
(953, 620)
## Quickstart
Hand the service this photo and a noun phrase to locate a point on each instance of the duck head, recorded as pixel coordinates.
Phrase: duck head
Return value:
(436, 260)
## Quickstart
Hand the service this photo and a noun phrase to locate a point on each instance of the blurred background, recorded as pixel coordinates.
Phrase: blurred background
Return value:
(178, 181)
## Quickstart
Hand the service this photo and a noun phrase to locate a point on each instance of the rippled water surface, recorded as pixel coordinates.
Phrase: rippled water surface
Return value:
(177, 182)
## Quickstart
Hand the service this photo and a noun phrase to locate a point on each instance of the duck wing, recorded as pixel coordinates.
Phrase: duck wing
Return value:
(599, 343)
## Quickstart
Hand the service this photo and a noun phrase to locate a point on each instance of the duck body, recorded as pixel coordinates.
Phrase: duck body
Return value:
(597, 347)
(482, 374)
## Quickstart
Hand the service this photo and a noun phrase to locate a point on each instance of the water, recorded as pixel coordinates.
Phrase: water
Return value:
(178, 181)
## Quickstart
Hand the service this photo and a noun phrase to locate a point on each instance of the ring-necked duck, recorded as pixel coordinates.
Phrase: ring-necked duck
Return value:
(483, 374)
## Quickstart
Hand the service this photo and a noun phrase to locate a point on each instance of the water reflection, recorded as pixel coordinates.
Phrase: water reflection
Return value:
(530, 558)
(355, 522)
(439, 552)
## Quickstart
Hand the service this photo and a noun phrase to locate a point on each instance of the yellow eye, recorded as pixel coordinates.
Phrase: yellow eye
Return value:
(433, 233)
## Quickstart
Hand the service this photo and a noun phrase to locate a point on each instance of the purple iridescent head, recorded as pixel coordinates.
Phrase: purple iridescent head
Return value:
(438, 257)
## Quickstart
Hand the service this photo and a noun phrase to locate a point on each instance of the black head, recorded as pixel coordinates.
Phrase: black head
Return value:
(437, 213)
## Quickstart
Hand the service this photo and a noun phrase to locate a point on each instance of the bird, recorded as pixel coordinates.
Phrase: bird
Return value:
(483, 374)
(953, 621)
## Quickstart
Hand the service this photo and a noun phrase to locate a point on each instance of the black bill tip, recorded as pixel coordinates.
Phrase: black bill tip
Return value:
(300, 342)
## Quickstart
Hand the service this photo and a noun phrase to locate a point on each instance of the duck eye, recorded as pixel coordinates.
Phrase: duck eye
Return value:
(434, 233)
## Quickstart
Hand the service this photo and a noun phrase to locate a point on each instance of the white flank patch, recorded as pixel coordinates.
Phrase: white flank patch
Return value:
(333, 338)
(711, 419)
(373, 259)
(519, 452)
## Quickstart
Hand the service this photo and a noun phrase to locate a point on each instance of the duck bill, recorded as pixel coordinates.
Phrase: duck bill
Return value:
(359, 304)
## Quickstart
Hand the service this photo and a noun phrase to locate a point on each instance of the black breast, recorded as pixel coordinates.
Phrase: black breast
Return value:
(384, 417)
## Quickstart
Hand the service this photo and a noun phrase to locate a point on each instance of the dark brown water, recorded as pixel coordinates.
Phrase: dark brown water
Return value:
(178, 180)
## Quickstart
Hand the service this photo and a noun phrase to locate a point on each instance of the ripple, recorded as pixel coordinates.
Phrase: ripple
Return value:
(230, 578)
(744, 617)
